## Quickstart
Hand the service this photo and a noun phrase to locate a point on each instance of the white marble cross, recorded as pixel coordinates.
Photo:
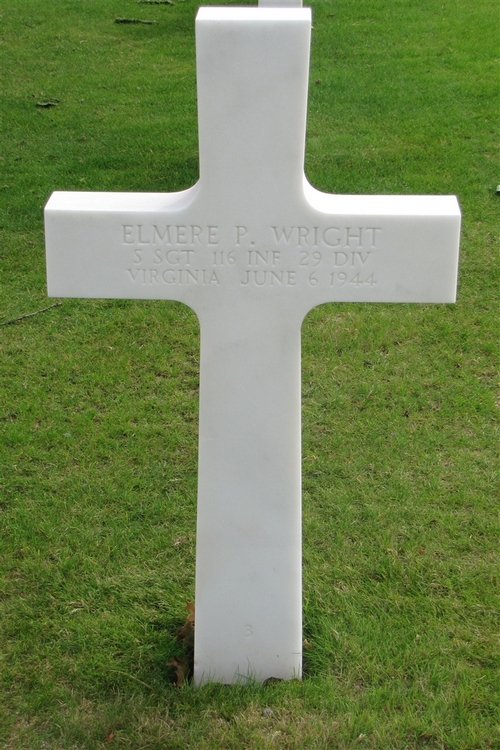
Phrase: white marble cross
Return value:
(251, 248)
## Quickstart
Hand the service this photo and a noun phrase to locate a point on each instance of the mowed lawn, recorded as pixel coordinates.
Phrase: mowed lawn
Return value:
(99, 401)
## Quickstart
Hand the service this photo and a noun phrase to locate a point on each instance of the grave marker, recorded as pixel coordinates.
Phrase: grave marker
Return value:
(251, 248)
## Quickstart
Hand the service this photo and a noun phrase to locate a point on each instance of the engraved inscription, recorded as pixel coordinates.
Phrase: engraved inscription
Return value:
(340, 278)
(263, 257)
(223, 258)
(170, 234)
(307, 258)
(269, 278)
(340, 237)
(183, 277)
(173, 257)
(279, 256)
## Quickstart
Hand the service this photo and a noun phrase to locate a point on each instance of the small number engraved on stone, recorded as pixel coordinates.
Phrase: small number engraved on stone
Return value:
(357, 279)
(310, 258)
(248, 631)
(222, 258)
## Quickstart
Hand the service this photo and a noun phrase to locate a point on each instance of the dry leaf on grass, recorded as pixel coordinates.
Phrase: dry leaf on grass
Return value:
(182, 670)
(271, 681)
(47, 103)
(186, 632)
(134, 20)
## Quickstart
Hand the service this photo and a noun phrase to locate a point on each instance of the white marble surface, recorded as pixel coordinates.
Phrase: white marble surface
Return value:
(280, 3)
(252, 247)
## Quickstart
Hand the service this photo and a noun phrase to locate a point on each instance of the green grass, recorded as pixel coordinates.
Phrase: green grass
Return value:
(98, 410)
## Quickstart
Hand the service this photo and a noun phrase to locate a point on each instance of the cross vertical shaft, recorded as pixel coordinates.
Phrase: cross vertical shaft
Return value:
(248, 550)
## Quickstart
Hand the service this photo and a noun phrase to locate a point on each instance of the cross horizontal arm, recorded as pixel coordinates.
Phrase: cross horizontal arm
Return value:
(320, 248)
